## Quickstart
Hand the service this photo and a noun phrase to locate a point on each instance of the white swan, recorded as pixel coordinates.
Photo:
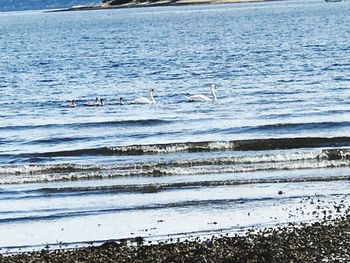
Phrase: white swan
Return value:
(144, 100)
(96, 102)
(200, 97)
(71, 104)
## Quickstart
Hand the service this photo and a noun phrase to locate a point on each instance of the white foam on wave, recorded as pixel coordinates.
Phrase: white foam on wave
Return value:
(220, 145)
(283, 160)
(176, 147)
(198, 170)
(31, 169)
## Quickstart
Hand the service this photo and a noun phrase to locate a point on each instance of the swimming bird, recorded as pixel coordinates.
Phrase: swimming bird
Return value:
(144, 100)
(102, 102)
(95, 103)
(71, 104)
(121, 101)
(200, 97)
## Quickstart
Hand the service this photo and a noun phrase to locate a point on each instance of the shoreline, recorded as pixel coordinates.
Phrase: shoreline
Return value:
(156, 4)
(316, 242)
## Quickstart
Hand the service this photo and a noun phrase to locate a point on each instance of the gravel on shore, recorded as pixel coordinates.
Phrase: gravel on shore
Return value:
(328, 241)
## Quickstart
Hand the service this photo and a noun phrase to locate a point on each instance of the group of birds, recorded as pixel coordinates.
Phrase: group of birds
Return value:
(143, 100)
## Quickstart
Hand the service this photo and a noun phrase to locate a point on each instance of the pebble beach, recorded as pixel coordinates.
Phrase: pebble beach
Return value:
(325, 241)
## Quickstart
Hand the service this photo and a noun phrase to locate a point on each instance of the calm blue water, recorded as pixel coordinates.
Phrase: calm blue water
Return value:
(282, 70)
(282, 76)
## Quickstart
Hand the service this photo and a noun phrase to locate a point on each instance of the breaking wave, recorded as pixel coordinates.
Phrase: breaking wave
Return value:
(186, 165)
(206, 146)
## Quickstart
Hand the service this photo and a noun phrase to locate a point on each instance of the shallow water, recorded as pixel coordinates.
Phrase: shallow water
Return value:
(281, 71)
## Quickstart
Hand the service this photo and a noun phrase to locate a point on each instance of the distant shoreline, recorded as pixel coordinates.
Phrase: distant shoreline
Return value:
(155, 4)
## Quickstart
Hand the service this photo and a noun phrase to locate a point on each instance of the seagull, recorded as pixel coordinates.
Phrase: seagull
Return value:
(144, 100)
(200, 97)
(96, 102)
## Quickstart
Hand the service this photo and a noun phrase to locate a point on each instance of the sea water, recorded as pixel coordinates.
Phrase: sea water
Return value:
(276, 137)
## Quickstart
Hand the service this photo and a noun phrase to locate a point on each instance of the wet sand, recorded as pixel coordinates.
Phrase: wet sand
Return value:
(325, 241)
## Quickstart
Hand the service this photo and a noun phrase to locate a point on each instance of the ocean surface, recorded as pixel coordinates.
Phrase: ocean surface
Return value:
(277, 136)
